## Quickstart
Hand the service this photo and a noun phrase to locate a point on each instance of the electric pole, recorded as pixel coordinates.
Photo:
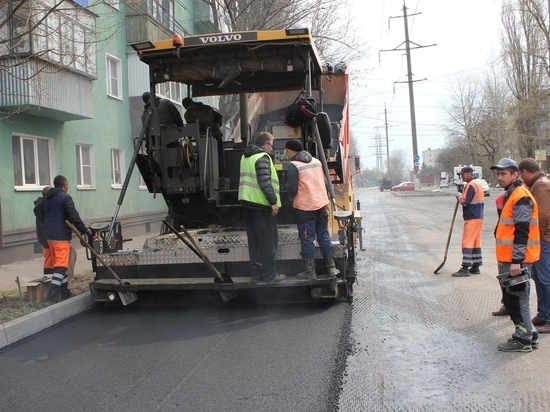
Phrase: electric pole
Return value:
(410, 81)
(387, 141)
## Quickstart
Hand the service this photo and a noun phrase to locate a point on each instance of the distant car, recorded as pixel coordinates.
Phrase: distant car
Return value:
(385, 184)
(486, 188)
(403, 186)
(444, 183)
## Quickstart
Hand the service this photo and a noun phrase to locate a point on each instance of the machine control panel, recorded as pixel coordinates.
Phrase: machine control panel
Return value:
(282, 134)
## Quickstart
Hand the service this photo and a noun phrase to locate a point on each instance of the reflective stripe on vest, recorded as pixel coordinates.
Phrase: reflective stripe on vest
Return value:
(249, 189)
(479, 193)
(506, 228)
(312, 191)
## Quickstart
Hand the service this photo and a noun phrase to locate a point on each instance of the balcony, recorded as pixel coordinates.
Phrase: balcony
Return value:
(141, 28)
(46, 90)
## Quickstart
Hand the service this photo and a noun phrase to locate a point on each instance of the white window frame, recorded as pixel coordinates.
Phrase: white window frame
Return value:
(69, 38)
(36, 164)
(113, 3)
(170, 91)
(162, 11)
(117, 163)
(142, 185)
(80, 185)
(114, 74)
(19, 25)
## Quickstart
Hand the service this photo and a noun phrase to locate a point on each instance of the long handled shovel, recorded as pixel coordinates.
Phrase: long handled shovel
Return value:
(448, 238)
(226, 295)
(125, 297)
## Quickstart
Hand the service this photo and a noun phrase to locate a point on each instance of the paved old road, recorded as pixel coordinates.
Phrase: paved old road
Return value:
(426, 342)
(201, 357)
(421, 342)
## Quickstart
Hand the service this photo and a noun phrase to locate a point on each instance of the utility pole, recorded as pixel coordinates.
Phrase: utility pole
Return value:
(387, 141)
(410, 81)
(378, 150)
(416, 157)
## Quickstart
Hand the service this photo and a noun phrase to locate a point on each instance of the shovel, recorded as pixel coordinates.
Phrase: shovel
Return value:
(226, 295)
(125, 297)
(448, 239)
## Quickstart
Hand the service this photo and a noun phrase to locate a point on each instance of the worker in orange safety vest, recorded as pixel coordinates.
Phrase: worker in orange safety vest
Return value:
(517, 248)
(307, 189)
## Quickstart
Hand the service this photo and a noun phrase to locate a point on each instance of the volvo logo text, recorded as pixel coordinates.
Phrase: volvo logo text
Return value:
(221, 38)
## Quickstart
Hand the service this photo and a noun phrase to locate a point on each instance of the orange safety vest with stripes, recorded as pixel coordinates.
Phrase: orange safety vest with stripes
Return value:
(474, 210)
(312, 191)
(506, 229)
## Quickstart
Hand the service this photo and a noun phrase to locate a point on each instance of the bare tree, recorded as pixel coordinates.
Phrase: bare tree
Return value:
(326, 20)
(525, 48)
(397, 165)
(493, 135)
(465, 112)
(479, 126)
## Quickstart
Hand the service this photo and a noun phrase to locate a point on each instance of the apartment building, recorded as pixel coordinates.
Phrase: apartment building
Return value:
(70, 104)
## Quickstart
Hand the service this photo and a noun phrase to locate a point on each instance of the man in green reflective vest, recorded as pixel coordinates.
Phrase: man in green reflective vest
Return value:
(260, 199)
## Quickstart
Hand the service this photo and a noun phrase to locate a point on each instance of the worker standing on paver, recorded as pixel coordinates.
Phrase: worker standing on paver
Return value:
(306, 187)
(517, 248)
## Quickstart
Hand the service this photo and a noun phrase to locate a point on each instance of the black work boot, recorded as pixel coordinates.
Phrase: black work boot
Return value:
(65, 292)
(53, 296)
(309, 273)
(331, 266)
(461, 273)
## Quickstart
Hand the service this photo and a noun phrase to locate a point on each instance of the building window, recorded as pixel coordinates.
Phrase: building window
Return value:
(169, 90)
(85, 166)
(114, 77)
(20, 29)
(113, 3)
(64, 36)
(162, 11)
(31, 161)
(117, 167)
(142, 184)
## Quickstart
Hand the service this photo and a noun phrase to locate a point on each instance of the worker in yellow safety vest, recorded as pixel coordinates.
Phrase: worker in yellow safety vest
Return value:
(260, 199)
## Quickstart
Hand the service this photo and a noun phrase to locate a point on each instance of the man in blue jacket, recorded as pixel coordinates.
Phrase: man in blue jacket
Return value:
(57, 207)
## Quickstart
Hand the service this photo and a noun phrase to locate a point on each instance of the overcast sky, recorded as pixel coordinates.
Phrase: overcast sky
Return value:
(467, 37)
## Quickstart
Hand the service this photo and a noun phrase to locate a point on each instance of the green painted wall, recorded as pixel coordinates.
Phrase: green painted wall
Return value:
(110, 128)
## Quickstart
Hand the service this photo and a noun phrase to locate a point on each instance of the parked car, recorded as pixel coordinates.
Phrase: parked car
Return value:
(444, 183)
(403, 186)
(486, 188)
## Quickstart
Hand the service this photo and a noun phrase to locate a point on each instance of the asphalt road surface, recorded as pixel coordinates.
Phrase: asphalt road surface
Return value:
(426, 342)
(411, 341)
(201, 357)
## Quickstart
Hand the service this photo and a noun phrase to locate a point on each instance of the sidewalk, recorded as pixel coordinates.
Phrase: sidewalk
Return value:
(32, 269)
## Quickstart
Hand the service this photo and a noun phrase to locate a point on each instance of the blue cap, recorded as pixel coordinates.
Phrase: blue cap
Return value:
(505, 163)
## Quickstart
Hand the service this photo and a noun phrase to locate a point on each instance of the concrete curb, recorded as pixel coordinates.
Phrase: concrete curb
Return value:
(32, 323)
